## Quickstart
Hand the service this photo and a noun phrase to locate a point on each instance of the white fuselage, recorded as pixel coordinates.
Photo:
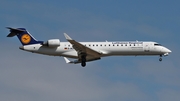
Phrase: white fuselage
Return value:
(105, 48)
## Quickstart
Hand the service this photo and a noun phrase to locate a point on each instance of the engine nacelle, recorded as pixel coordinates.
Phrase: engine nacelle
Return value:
(52, 43)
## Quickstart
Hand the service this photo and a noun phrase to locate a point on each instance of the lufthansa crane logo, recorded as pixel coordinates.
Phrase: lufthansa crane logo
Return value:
(25, 38)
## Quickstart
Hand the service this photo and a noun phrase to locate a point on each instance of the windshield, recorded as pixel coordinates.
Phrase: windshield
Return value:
(156, 44)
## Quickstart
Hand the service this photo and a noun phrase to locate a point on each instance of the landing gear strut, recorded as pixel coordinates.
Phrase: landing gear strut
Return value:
(160, 59)
(83, 61)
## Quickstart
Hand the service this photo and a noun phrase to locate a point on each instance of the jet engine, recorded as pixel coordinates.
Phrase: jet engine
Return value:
(52, 43)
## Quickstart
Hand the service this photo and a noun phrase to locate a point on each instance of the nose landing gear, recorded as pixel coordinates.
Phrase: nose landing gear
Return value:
(160, 59)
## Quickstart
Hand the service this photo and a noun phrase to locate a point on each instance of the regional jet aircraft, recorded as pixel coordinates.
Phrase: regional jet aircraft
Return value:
(86, 51)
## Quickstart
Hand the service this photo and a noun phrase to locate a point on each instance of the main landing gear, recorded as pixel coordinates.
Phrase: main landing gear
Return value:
(83, 61)
(160, 59)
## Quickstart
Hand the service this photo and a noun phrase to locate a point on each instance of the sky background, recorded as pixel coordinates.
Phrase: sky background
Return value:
(26, 76)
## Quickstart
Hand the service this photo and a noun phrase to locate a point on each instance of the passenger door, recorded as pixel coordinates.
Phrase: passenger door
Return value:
(146, 46)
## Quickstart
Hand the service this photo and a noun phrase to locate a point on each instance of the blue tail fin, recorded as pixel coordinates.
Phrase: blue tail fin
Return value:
(24, 36)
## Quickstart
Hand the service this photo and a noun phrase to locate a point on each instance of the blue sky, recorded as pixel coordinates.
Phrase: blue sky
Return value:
(26, 76)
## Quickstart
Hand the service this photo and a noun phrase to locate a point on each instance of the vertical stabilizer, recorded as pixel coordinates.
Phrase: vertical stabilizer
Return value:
(23, 35)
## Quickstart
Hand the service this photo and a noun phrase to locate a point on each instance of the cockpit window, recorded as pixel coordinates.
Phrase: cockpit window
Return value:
(156, 44)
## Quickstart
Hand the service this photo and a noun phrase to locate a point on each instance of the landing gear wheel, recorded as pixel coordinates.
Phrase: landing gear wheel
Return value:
(83, 64)
(160, 59)
(83, 61)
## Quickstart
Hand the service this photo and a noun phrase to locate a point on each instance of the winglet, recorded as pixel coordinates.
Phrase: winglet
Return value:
(67, 61)
(67, 37)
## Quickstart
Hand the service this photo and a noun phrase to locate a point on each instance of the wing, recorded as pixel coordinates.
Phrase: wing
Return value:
(83, 50)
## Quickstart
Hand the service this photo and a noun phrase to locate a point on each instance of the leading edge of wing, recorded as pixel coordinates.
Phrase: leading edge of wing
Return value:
(81, 48)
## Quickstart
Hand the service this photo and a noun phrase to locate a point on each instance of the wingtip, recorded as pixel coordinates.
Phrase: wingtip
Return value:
(8, 27)
(67, 37)
(67, 61)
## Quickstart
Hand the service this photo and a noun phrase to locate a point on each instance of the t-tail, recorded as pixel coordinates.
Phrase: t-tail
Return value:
(23, 35)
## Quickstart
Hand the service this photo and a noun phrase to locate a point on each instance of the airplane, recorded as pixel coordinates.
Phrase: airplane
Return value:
(86, 51)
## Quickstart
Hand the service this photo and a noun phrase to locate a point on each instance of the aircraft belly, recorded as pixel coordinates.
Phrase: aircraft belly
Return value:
(130, 51)
(56, 51)
(70, 54)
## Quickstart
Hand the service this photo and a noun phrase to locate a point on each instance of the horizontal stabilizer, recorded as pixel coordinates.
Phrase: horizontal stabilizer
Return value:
(14, 31)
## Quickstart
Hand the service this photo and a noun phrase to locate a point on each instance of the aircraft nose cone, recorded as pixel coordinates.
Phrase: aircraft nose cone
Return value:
(169, 51)
(166, 51)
